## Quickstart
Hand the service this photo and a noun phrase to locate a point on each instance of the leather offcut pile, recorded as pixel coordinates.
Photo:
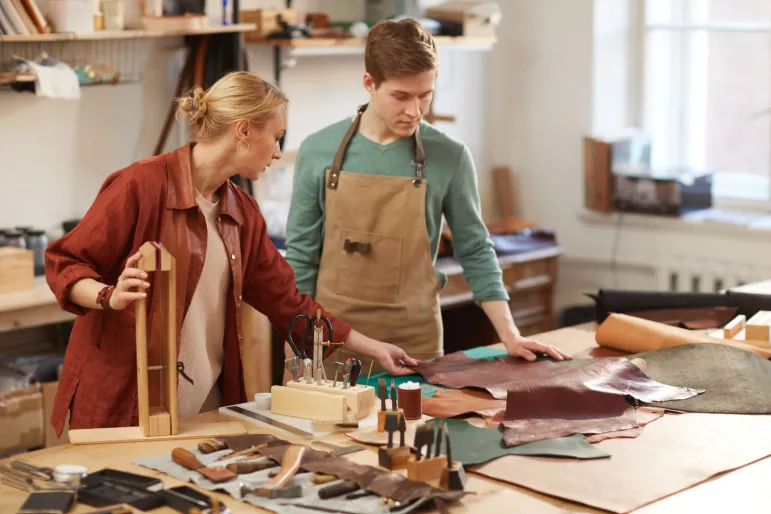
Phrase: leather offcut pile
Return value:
(545, 399)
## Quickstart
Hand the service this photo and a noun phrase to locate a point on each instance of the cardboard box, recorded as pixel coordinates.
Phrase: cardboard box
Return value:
(466, 17)
(21, 420)
(267, 21)
(49, 394)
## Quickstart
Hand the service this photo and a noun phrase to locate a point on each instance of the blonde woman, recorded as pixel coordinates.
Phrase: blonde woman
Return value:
(223, 257)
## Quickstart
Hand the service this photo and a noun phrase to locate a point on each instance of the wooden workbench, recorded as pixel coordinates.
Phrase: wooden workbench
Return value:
(719, 494)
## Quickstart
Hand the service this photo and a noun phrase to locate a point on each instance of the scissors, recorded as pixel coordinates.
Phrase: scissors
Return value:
(300, 351)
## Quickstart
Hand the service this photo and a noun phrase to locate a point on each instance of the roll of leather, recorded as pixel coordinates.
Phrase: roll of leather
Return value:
(635, 335)
(410, 400)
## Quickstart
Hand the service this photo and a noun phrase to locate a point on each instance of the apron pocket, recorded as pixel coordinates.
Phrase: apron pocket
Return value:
(369, 266)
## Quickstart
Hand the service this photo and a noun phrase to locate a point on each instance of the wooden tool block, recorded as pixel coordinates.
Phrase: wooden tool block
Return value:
(381, 416)
(160, 422)
(308, 404)
(758, 327)
(393, 458)
(360, 399)
(426, 470)
(17, 270)
(266, 21)
(454, 478)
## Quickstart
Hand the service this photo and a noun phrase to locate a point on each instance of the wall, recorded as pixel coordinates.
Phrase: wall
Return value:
(56, 153)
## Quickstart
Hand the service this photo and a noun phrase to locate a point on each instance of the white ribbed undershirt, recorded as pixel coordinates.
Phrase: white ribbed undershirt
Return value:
(203, 329)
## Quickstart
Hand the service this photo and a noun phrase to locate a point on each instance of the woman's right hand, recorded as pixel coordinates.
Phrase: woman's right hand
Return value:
(131, 285)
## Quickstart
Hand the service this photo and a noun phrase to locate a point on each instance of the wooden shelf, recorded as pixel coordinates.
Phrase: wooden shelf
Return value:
(107, 35)
(357, 44)
(11, 77)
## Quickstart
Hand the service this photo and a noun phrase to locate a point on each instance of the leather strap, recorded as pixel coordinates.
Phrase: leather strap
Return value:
(419, 159)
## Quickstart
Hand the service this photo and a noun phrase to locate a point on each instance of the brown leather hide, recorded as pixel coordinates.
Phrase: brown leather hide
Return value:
(450, 403)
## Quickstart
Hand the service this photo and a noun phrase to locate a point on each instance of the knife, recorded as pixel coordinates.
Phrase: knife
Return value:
(440, 428)
(269, 421)
(338, 369)
(393, 395)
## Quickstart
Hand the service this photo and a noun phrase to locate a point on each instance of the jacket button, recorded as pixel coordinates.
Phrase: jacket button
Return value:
(239, 297)
(233, 257)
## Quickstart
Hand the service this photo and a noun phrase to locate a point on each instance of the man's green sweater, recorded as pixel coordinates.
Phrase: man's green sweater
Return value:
(452, 192)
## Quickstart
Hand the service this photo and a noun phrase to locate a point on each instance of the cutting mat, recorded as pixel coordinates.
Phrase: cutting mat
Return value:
(303, 424)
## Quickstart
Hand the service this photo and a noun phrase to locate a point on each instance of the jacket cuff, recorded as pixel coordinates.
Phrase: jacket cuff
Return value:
(63, 283)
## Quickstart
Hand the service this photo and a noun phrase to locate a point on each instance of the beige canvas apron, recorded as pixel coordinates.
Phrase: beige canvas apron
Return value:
(376, 271)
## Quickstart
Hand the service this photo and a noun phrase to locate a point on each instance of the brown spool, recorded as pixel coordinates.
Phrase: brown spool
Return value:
(411, 402)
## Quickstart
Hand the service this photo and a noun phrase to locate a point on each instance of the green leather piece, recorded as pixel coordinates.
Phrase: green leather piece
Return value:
(473, 445)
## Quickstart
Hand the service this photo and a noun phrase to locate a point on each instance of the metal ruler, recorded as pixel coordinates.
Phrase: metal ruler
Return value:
(269, 421)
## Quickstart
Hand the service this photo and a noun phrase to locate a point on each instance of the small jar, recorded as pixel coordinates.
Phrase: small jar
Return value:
(37, 241)
(15, 238)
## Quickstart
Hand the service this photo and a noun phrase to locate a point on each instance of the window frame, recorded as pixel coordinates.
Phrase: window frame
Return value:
(679, 86)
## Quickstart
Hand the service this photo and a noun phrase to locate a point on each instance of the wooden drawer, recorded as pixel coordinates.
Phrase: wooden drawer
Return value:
(530, 275)
(530, 303)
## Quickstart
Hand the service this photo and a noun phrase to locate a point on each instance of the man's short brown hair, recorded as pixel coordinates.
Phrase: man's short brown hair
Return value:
(399, 49)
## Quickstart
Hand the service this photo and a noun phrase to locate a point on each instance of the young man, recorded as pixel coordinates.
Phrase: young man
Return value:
(367, 204)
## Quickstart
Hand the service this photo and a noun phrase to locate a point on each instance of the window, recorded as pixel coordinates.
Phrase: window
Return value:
(706, 99)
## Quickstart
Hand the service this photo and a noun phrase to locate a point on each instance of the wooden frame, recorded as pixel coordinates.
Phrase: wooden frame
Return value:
(158, 419)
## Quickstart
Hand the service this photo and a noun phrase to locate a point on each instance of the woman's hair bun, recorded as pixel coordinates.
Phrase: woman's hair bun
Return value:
(194, 104)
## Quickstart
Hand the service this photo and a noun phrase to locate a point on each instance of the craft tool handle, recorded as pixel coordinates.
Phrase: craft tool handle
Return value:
(185, 459)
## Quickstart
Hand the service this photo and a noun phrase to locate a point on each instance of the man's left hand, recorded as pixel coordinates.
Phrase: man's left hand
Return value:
(525, 347)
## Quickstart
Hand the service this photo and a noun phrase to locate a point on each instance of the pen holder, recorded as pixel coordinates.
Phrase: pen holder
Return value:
(410, 400)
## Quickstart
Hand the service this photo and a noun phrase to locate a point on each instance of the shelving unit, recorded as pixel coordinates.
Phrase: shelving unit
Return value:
(124, 50)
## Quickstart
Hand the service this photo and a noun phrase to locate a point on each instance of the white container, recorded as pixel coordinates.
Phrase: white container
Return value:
(71, 15)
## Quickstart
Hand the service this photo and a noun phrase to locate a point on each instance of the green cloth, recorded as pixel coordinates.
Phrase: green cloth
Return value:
(452, 192)
(481, 352)
(473, 445)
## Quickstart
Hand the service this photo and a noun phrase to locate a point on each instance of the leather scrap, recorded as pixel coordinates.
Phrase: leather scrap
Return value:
(736, 381)
(643, 415)
(242, 442)
(473, 445)
(675, 453)
(635, 335)
(382, 482)
(451, 403)
(498, 376)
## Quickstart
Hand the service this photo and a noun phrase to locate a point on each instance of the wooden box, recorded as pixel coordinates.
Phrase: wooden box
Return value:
(267, 22)
(17, 269)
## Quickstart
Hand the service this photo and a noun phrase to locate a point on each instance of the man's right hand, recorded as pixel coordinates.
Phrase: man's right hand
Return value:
(130, 278)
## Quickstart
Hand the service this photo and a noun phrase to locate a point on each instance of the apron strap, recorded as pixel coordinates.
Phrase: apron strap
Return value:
(419, 160)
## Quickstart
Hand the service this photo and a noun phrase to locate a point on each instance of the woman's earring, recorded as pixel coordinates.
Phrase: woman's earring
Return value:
(238, 147)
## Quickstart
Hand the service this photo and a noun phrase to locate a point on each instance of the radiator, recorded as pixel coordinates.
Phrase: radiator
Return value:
(696, 274)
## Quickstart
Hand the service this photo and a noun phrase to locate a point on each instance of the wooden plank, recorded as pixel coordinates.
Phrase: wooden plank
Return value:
(106, 35)
(189, 428)
(734, 326)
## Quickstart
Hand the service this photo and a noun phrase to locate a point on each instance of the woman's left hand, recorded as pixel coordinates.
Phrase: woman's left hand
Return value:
(394, 360)
(524, 347)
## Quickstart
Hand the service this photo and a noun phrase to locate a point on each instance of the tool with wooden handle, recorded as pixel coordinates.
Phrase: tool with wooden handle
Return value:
(187, 460)
(246, 452)
(212, 445)
(339, 489)
(242, 468)
(290, 464)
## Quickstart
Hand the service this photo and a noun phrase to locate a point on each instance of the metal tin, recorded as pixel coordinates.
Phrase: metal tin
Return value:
(69, 474)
